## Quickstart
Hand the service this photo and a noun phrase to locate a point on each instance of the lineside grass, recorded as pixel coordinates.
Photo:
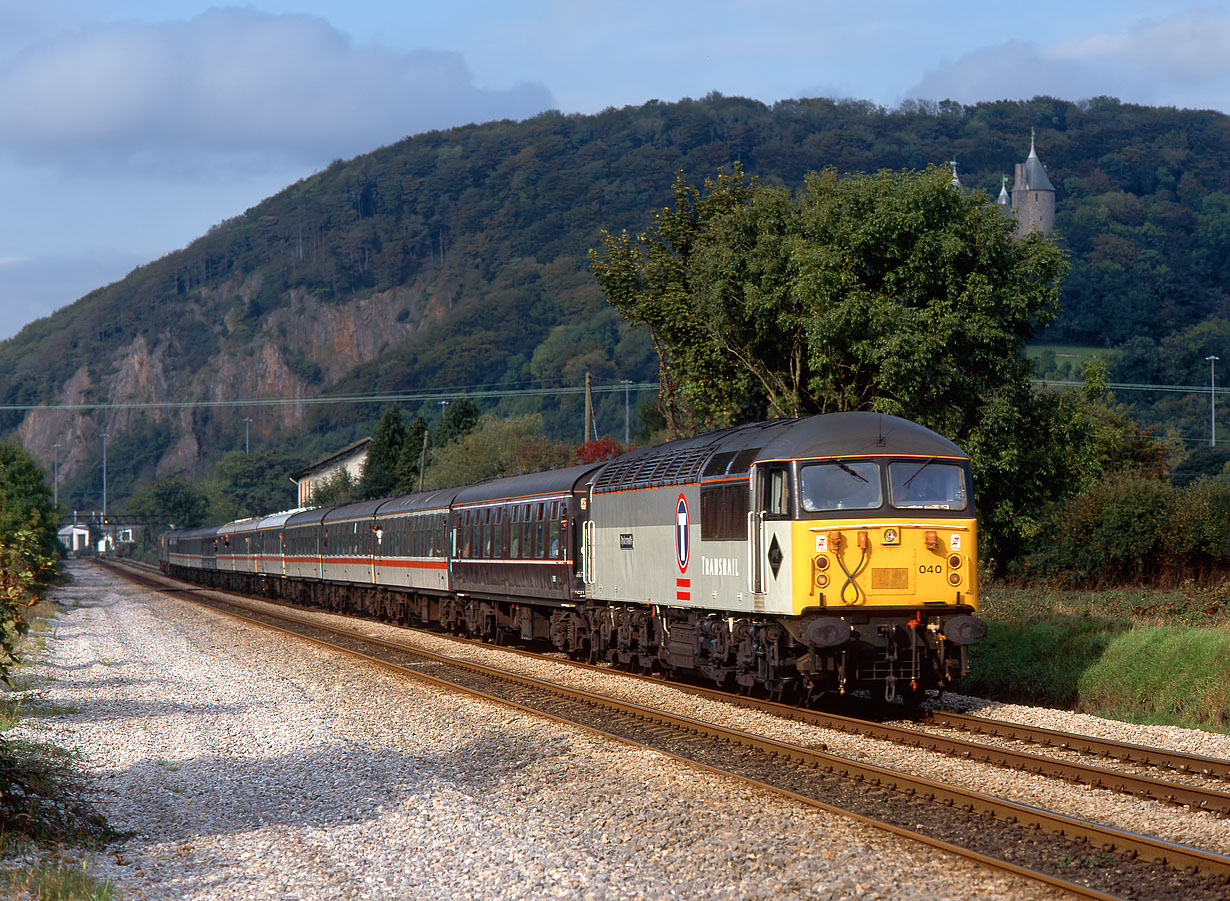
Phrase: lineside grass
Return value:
(1140, 655)
(46, 820)
(54, 881)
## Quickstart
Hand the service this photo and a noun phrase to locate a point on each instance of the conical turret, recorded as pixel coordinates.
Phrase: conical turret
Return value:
(1033, 195)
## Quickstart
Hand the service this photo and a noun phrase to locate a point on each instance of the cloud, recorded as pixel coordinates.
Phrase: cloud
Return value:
(1177, 61)
(233, 87)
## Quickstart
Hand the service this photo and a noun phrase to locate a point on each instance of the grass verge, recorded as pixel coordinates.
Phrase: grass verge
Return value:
(1145, 656)
(47, 824)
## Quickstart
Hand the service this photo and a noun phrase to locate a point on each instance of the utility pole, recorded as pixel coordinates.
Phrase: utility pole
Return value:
(627, 383)
(55, 475)
(423, 458)
(246, 420)
(1212, 401)
(589, 406)
(104, 441)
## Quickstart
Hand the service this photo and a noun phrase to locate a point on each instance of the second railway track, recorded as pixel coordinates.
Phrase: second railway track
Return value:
(1068, 852)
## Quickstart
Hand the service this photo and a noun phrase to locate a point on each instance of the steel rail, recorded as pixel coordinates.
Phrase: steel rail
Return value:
(993, 863)
(1151, 788)
(1107, 838)
(1180, 761)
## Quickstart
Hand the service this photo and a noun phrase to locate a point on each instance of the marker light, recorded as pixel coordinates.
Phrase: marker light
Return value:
(954, 578)
(822, 563)
(954, 561)
(891, 535)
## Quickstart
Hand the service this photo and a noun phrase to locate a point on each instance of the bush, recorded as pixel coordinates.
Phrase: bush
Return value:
(1135, 530)
(28, 549)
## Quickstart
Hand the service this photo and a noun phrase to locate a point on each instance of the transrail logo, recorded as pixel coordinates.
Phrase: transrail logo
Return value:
(682, 547)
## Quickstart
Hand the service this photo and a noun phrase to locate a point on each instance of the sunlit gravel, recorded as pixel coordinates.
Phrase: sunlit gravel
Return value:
(249, 765)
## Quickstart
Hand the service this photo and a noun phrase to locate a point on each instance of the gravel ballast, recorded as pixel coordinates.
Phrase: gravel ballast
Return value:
(249, 765)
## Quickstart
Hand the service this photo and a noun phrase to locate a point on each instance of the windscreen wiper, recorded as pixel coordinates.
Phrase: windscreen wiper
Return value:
(851, 471)
(926, 463)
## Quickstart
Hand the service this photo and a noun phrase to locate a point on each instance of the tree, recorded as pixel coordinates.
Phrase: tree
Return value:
(598, 450)
(256, 484)
(496, 447)
(460, 417)
(411, 458)
(649, 279)
(172, 503)
(28, 544)
(379, 476)
(891, 292)
(338, 489)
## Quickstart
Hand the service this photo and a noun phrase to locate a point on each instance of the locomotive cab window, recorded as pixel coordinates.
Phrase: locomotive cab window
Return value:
(775, 492)
(929, 485)
(840, 485)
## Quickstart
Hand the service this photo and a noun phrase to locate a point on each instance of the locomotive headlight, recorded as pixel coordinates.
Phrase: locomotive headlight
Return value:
(954, 578)
(891, 535)
(822, 581)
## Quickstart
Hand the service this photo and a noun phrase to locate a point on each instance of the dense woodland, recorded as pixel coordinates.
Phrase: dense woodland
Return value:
(490, 225)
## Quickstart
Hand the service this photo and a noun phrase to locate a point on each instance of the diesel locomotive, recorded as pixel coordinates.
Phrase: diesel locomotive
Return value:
(829, 553)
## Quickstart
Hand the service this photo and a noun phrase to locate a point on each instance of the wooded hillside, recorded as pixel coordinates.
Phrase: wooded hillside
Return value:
(458, 258)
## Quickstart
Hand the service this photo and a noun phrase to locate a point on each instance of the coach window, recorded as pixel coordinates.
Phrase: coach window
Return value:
(540, 531)
(497, 537)
(553, 532)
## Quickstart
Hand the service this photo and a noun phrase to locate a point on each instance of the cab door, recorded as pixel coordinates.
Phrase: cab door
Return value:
(769, 536)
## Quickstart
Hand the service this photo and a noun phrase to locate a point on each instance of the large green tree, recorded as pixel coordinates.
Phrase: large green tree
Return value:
(893, 292)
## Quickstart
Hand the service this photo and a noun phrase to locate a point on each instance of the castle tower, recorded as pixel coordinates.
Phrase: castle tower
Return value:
(1004, 200)
(1033, 195)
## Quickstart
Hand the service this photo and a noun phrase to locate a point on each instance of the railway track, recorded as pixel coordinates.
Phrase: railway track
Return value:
(1074, 855)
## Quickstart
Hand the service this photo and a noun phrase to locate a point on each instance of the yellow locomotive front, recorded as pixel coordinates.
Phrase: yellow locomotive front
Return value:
(917, 546)
(880, 545)
(885, 572)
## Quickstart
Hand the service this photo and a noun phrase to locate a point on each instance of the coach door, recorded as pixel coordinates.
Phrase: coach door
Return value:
(770, 508)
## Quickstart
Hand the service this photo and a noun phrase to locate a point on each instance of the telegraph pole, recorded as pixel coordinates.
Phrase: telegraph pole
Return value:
(104, 441)
(55, 475)
(246, 420)
(589, 406)
(1212, 401)
(627, 384)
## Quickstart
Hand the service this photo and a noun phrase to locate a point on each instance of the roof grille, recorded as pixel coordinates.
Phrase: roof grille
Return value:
(668, 466)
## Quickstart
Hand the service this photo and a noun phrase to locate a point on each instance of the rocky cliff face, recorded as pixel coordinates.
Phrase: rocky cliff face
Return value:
(294, 351)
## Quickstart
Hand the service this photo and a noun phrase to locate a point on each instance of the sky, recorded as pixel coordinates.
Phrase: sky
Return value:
(129, 128)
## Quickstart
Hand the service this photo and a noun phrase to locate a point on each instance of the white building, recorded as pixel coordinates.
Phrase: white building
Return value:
(350, 458)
